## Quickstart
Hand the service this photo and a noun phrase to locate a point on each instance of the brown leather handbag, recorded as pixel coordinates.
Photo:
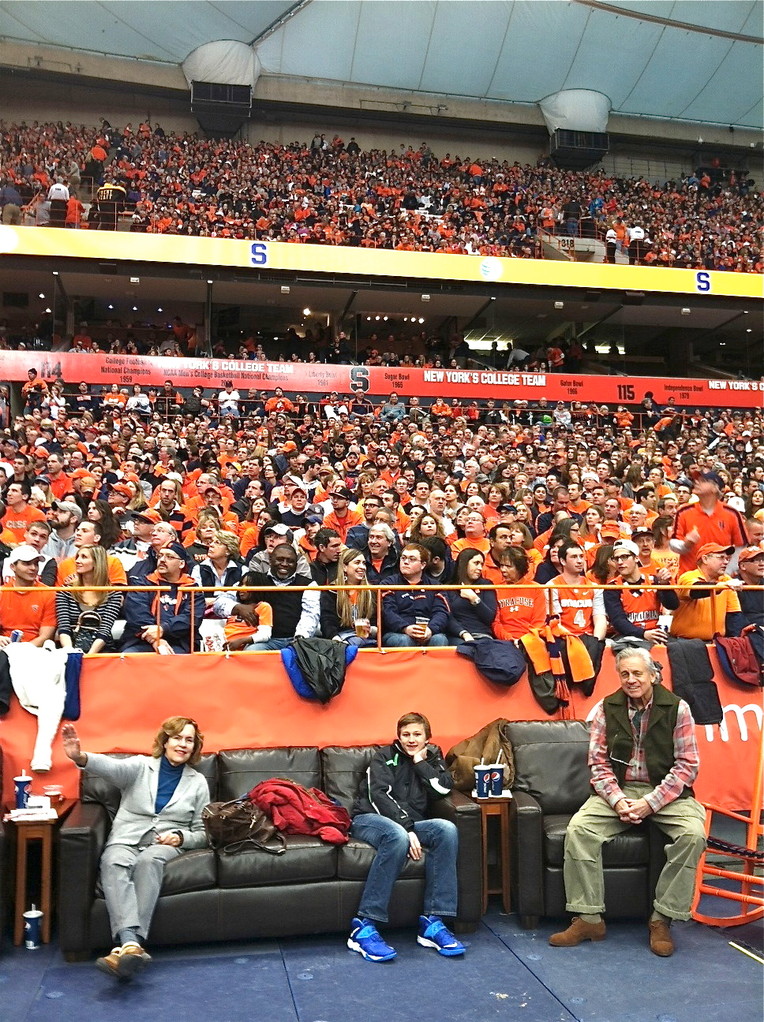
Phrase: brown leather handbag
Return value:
(232, 826)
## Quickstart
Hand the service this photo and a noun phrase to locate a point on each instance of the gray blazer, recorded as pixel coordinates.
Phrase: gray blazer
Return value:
(138, 778)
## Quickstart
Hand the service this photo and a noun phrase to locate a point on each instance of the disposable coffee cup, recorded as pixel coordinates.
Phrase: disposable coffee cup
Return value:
(497, 779)
(362, 627)
(32, 928)
(483, 780)
(21, 787)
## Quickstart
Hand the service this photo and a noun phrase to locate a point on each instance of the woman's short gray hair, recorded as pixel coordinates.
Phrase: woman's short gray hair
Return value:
(642, 654)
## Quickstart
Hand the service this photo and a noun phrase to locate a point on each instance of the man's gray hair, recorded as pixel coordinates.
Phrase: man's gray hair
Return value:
(642, 654)
(384, 528)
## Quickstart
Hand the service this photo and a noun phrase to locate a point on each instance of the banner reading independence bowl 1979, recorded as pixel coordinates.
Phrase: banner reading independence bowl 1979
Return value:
(319, 379)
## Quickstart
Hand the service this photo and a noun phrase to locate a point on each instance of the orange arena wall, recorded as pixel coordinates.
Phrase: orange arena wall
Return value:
(247, 701)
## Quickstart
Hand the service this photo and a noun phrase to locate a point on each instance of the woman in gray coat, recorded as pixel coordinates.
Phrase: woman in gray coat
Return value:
(159, 817)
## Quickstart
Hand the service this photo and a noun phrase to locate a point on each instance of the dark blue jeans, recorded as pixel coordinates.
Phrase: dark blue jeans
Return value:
(441, 841)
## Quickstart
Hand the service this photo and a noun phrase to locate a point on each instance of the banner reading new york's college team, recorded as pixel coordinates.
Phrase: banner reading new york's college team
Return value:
(311, 379)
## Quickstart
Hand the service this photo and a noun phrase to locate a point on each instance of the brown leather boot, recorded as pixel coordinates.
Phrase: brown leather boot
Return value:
(577, 933)
(660, 938)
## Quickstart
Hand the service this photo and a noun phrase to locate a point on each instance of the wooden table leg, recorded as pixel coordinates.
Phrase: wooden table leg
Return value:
(484, 844)
(46, 867)
(21, 886)
(504, 825)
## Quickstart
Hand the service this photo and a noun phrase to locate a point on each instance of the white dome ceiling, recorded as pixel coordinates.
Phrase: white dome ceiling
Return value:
(687, 60)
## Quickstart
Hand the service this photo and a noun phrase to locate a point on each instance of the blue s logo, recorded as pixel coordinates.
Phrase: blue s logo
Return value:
(259, 253)
(703, 281)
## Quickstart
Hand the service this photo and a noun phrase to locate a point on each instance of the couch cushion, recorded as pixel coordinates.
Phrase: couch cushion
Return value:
(551, 762)
(191, 871)
(355, 858)
(343, 769)
(306, 859)
(632, 848)
(239, 770)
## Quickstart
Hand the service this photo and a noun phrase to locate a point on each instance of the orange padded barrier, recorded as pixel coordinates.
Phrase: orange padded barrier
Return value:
(246, 701)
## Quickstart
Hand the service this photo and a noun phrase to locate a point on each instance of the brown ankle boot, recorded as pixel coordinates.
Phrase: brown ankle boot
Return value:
(660, 938)
(577, 932)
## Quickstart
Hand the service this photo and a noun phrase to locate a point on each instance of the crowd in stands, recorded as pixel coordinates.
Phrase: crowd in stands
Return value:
(333, 193)
(284, 494)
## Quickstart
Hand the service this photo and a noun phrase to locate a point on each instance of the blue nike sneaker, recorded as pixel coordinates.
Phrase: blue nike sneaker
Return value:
(365, 939)
(434, 933)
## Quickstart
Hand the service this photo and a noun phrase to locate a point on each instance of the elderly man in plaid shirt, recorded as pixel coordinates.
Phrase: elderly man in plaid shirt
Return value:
(643, 760)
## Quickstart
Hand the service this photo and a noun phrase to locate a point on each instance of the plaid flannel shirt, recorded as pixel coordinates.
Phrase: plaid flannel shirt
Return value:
(681, 775)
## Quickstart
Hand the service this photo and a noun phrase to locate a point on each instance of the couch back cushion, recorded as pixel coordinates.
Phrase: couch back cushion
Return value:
(239, 770)
(343, 770)
(551, 762)
(98, 789)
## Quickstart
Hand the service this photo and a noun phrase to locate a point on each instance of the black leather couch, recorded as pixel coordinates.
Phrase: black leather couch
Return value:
(551, 784)
(207, 896)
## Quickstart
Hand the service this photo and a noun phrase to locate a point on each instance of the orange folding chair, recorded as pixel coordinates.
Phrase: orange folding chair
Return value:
(749, 877)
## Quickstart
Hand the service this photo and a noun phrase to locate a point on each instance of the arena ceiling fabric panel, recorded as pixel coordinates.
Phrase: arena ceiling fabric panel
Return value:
(688, 60)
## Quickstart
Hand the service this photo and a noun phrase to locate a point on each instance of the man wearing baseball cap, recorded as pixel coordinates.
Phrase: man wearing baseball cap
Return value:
(135, 547)
(708, 521)
(750, 567)
(32, 612)
(342, 518)
(64, 518)
(119, 497)
(708, 601)
(633, 609)
(179, 615)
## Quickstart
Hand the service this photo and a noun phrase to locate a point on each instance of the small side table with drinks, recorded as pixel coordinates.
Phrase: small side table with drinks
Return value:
(34, 819)
(494, 801)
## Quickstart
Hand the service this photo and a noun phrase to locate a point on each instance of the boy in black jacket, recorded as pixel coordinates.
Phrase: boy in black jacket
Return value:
(390, 813)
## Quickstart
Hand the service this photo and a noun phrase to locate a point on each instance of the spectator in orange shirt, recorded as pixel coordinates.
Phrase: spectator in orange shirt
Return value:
(32, 612)
(59, 482)
(521, 604)
(341, 518)
(19, 513)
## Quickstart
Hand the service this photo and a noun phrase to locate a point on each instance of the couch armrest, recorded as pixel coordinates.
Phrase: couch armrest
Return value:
(526, 834)
(465, 814)
(82, 837)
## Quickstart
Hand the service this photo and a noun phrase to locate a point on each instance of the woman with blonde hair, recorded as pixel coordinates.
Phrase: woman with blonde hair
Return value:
(350, 615)
(159, 818)
(86, 616)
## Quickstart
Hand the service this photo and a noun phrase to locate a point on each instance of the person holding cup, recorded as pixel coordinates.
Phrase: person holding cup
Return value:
(159, 818)
(349, 615)
(414, 616)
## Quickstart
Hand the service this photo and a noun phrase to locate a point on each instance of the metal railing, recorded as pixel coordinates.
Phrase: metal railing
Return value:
(195, 591)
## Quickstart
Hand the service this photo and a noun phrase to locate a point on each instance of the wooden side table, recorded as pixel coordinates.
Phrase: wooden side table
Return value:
(42, 831)
(496, 807)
